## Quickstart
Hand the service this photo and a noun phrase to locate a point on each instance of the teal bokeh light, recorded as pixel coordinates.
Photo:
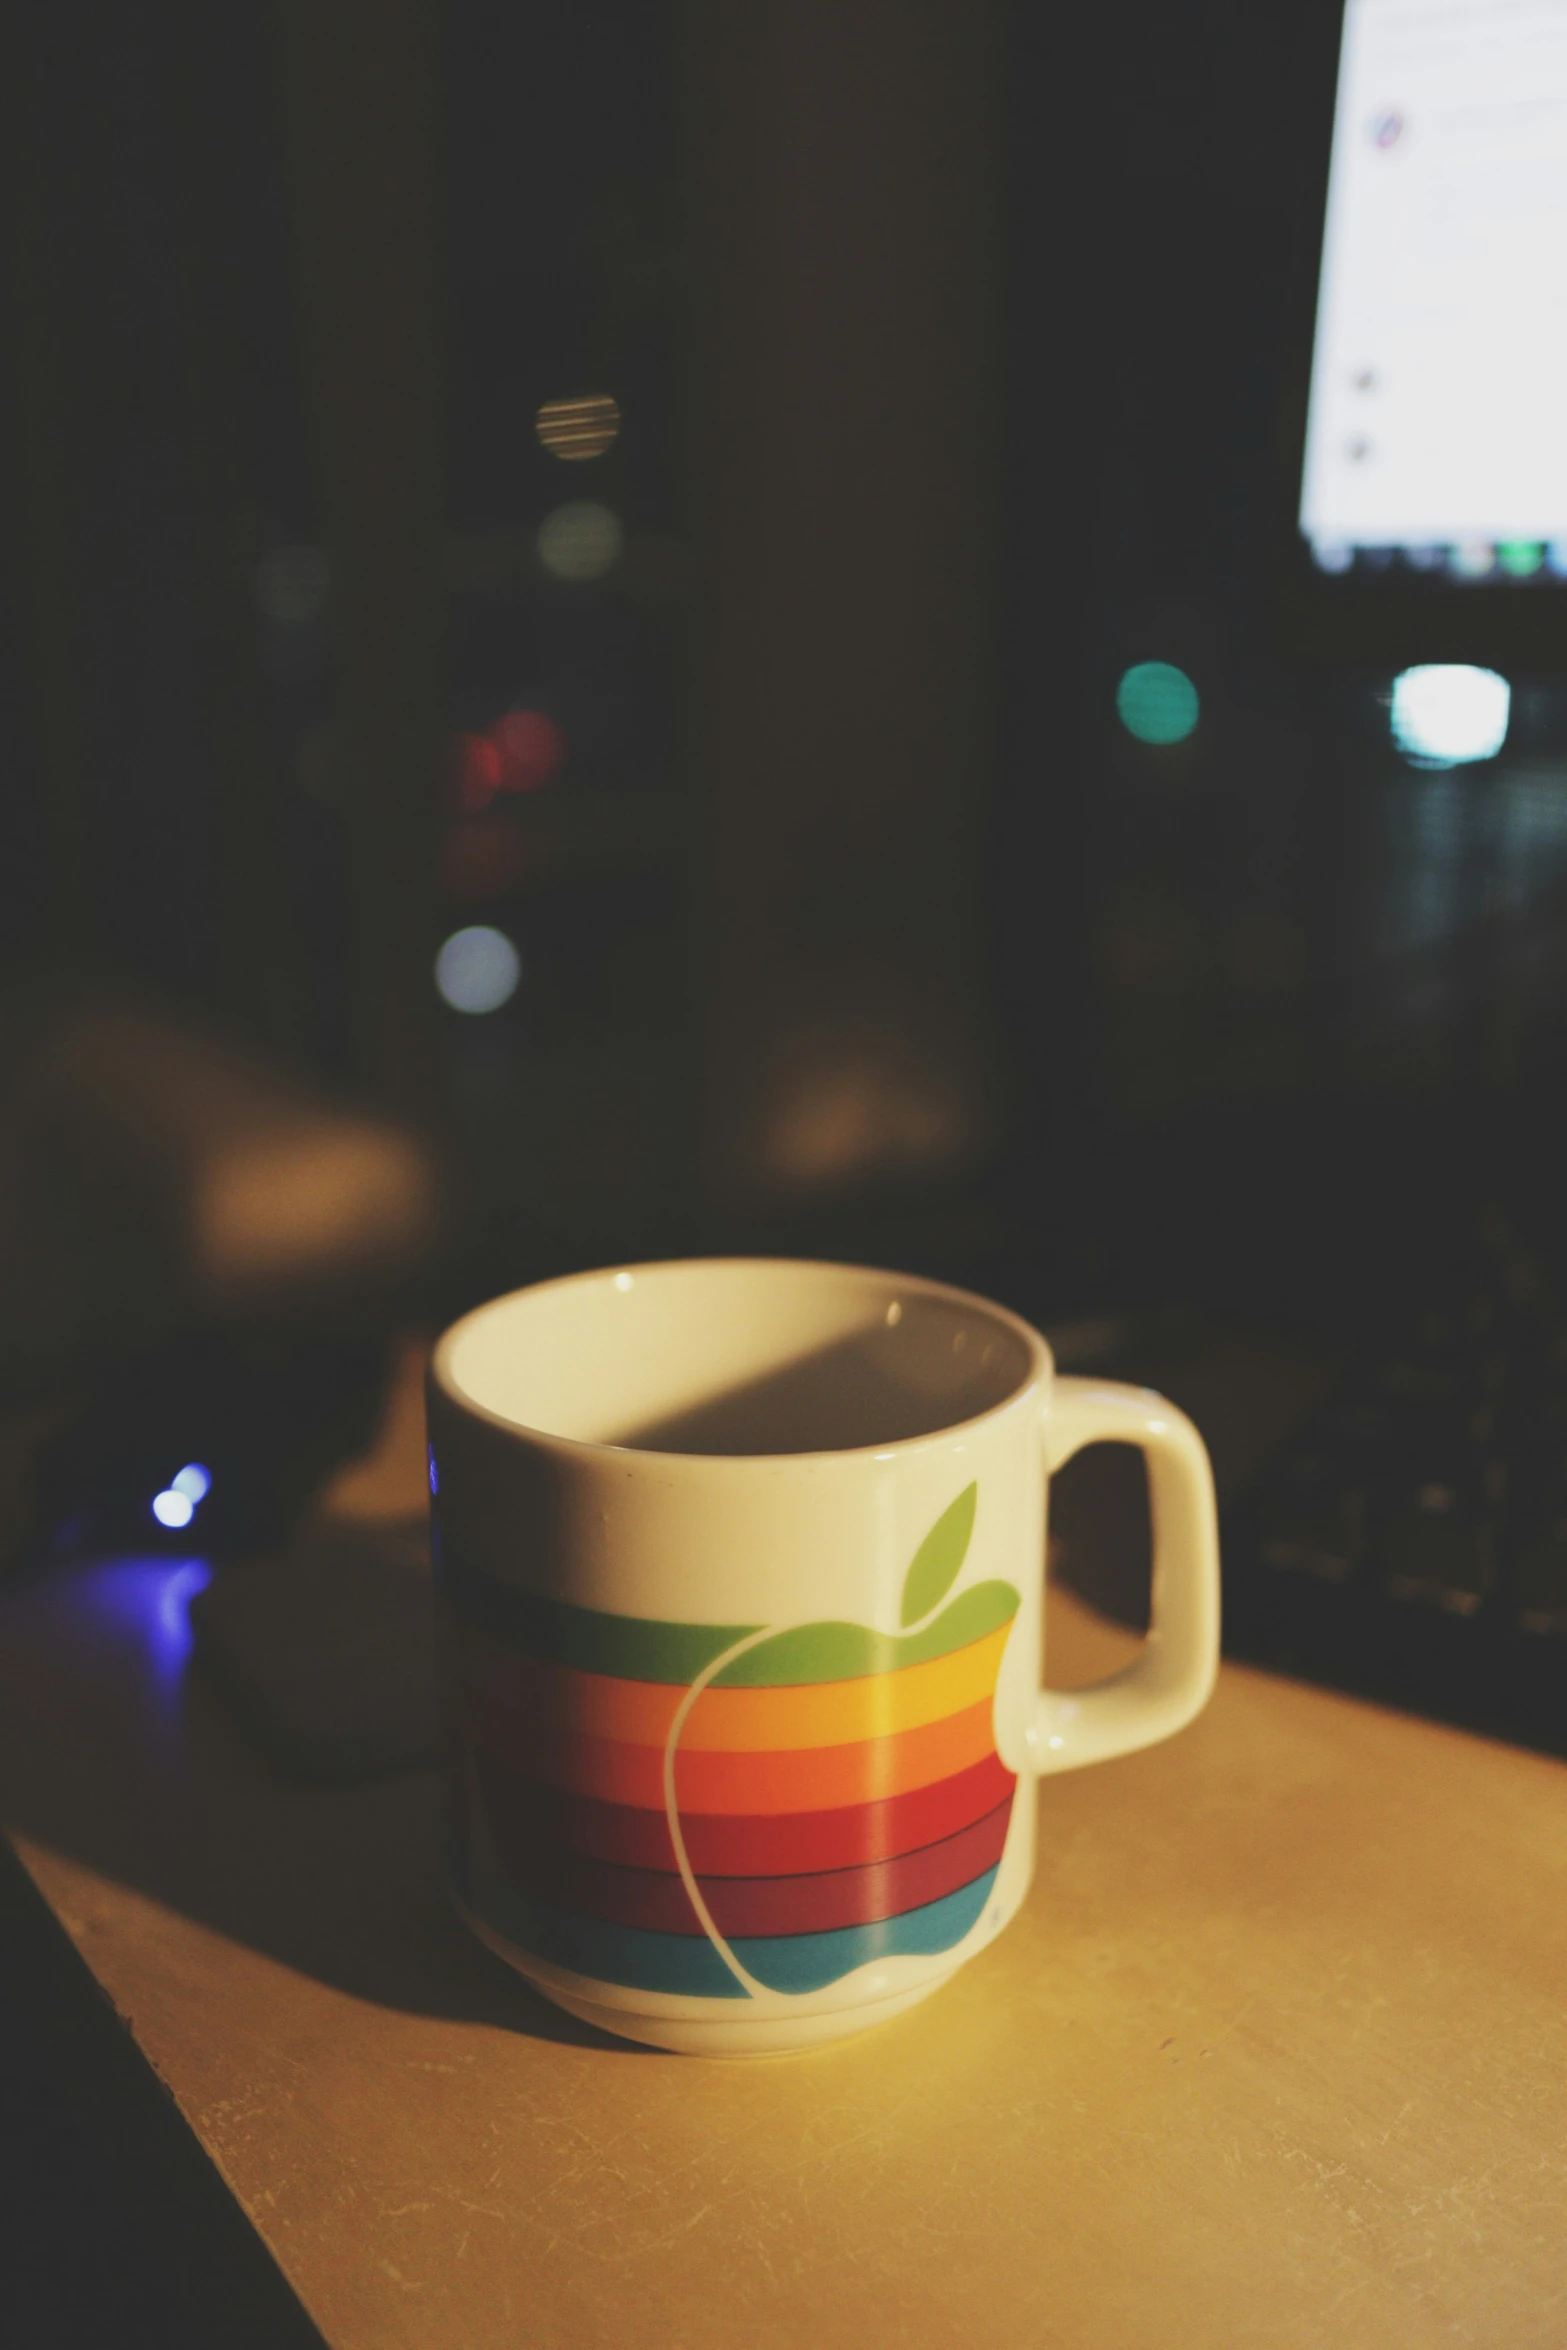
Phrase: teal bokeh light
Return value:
(1157, 702)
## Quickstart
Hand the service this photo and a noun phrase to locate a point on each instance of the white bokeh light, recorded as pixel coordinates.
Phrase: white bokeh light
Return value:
(580, 540)
(193, 1481)
(477, 970)
(292, 584)
(1446, 713)
(173, 1509)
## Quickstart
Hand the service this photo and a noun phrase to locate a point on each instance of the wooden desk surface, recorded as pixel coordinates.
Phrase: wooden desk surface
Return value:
(1276, 2054)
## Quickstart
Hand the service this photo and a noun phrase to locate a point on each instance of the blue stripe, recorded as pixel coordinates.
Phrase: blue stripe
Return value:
(640, 1960)
(809, 1962)
(634, 1956)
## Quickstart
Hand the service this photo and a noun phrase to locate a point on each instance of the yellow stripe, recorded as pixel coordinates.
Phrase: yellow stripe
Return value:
(736, 1721)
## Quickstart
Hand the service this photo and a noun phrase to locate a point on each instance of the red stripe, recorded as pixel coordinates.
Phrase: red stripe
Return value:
(856, 1897)
(793, 1843)
(727, 1844)
(761, 1905)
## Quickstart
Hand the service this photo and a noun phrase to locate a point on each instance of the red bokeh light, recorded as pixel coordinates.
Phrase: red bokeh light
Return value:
(479, 772)
(530, 748)
(522, 751)
(482, 861)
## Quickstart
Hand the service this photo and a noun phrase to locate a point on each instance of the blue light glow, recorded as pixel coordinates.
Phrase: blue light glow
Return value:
(173, 1509)
(146, 1602)
(435, 1482)
(193, 1481)
(175, 1598)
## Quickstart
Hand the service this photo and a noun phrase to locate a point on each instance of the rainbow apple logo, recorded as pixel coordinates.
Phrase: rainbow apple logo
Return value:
(725, 1809)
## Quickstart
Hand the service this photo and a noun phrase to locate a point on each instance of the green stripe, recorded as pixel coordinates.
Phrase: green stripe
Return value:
(847, 1652)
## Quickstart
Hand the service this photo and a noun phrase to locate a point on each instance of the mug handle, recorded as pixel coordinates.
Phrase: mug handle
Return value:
(1173, 1678)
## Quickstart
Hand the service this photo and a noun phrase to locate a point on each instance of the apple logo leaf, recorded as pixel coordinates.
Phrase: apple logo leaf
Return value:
(940, 1555)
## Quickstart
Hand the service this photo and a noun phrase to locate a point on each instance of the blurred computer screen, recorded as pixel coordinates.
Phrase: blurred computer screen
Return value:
(1281, 892)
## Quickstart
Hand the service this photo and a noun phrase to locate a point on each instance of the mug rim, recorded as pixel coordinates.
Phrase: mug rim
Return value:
(1039, 1375)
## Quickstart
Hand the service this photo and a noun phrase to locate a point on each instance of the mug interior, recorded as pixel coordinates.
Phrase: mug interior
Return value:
(737, 1356)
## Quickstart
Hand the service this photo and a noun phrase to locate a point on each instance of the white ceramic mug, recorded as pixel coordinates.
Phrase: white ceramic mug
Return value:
(741, 1573)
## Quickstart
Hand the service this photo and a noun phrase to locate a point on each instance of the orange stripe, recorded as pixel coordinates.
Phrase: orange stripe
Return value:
(812, 1778)
(820, 1778)
(733, 1721)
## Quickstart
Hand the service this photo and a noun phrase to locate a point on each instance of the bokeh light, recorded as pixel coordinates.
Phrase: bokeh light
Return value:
(482, 860)
(574, 429)
(291, 585)
(193, 1481)
(1445, 714)
(581, 540)
(531, 747)
(479, 772)
(173, 1509)
(521, 752)
(478, 969)
(1157, 703)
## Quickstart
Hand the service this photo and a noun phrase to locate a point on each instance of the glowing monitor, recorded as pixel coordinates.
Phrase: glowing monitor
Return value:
(1436, 440)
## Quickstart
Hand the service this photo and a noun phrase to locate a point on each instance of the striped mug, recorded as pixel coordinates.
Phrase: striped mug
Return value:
(740, 1582)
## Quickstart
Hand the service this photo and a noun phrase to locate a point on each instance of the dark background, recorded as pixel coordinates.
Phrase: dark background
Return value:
(960, 355)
